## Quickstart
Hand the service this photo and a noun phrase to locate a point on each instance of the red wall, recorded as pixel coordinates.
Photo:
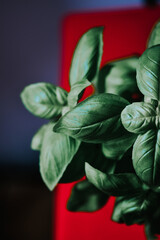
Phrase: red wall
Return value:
(125, 34)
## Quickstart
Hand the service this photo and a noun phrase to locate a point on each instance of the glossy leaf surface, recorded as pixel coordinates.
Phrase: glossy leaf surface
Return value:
(86, 198)
(113, 184)
(87, 56)
(139, 117)
(146, 157)
(56, 153)
(44, 99)
(148, 72)
(94, 120)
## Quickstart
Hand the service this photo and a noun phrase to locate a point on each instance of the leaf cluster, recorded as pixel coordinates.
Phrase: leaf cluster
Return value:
(109, 138)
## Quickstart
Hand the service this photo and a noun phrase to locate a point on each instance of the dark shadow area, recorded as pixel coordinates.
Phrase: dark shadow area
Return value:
(25, 204)
(151, 3)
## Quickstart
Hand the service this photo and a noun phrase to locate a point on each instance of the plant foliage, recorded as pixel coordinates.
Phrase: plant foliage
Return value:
(113, 140)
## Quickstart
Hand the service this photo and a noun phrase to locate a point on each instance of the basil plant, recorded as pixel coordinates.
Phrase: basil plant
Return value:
(112, 137)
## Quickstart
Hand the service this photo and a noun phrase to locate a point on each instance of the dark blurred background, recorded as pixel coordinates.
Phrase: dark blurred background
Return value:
(30, 51)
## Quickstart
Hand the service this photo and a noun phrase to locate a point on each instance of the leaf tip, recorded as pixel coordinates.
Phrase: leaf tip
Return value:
(96, 29)
(35, 144)
(22, 96)
(101, 28)
(49, 184)
(86, 166)
(51, 188)
(89, 170)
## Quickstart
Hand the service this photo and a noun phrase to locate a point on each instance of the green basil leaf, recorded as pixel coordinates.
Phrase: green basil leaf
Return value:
(148, 72)
(44, 99)
(155, 36)
(61, 96)
(86, 198)
(119, 77)
(113, 184)
(117, 210)
(56, 153)
(146, 157)
(129, 210)
(96, 119)
(115, 148)
(87, 56)
(139, 117)
(76, 91)
(37, 139)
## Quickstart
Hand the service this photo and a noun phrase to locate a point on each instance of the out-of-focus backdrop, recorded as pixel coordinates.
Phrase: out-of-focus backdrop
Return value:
(30, 51)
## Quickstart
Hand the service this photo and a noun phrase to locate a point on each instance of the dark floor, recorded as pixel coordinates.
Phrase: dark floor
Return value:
(25, 205)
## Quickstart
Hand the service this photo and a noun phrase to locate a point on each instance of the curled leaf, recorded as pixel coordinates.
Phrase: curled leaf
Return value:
(146, 157)
(86, 198)
(76, 91)
(61, 96)
(56, 153)
(155, 36)
(113, 184)
(87, 56)
(148, 72)
(139, 117)
(94, 120)
(44, 99)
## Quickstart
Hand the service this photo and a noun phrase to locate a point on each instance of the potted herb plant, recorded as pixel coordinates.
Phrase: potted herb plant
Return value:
(112, 137)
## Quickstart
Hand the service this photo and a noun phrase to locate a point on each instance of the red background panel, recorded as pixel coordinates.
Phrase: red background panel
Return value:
(125, 33)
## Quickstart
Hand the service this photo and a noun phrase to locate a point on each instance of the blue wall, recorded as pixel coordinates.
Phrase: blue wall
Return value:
(30, 52)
